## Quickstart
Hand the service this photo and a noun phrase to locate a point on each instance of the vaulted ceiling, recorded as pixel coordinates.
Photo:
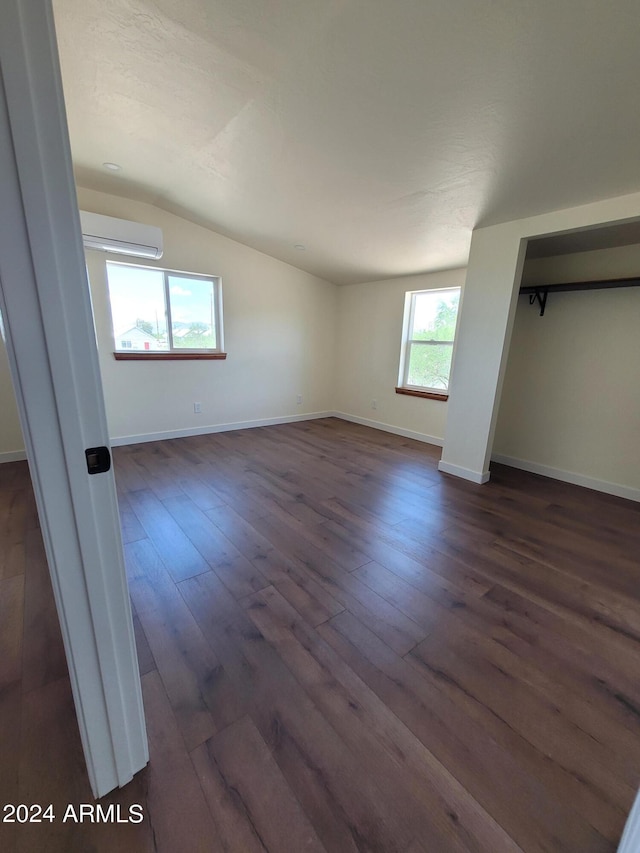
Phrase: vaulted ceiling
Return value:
(377, 133)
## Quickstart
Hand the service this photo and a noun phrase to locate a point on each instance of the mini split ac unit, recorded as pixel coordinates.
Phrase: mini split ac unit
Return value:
(109, 234)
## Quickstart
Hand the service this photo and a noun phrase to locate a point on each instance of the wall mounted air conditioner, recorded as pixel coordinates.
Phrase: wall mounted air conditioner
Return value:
(109, 234)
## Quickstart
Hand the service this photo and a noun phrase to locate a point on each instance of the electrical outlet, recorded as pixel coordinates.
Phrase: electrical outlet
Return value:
(197, 408)
(299, 400)
(374, 404)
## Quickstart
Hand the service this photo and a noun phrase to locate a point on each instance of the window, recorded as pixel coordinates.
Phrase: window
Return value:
(160, 313)
(430, 325)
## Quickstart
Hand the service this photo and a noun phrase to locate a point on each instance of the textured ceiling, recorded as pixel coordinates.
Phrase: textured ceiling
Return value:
(378, 133)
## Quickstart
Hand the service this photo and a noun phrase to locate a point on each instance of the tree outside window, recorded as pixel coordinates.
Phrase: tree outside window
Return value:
(430, 332)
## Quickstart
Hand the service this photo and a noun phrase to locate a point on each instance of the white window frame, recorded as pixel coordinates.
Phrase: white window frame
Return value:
(407, 342)
(215, 280)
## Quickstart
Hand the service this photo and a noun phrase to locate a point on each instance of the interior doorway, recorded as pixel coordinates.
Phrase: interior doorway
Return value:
(569, 407)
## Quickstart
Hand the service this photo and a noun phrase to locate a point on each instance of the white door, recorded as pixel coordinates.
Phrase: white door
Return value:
(48, 327)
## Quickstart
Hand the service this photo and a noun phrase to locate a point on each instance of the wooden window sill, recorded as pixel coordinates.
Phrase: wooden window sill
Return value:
(168, 356)
(429, 395)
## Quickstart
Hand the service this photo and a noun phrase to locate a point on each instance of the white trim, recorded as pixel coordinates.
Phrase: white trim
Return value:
(140, 438)
(13, 456)
(406, 433)
(630, 841)
(214, 280)
(45, 302)
(464, 473)
(628, 492)
(205, 430)
(407, 341)
(286, 419)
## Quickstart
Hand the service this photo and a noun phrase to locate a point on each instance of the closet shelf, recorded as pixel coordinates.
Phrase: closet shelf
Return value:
(539, 292)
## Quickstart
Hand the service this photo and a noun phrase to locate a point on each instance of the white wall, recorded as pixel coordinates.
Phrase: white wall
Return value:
(571, 395)
(370, 320)
(486, 322)
(279, 327)
(620, 262)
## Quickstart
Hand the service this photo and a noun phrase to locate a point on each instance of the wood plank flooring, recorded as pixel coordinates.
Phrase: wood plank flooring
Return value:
(341, 650)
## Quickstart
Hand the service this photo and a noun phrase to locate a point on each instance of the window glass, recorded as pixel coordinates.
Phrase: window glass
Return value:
(434, 315)
(137, 307)
(156, 309)
(192, 313)
(429, 339)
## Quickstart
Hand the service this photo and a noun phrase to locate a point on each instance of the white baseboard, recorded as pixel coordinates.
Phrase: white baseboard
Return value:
(479, 477)
(405, 433)
(141, 438)
(13, 456)
(616, 489)
(211, 428)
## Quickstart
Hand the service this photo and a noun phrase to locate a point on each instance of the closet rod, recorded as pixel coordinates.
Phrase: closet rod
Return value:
(538, 293)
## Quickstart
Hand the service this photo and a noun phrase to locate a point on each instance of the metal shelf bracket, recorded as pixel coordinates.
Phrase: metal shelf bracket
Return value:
(539, 296)
(539, 293)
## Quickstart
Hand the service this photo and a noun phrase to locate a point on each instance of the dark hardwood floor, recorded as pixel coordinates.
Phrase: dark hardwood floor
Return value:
(341, 650)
